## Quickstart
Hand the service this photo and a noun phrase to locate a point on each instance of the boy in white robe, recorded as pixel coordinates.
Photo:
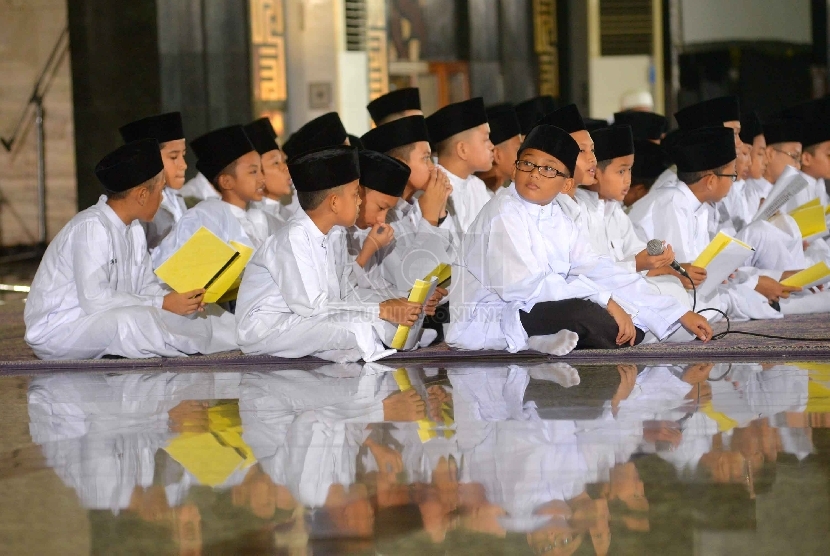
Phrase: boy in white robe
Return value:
(420, 245)
(506, 136)
(395, 105)
(95, 293)
(298, 296)
(168, 131)
(528, 278)
(815, 151)
(609, 228)
(461, 137)
(370, 241)
(228, 159)
(274, 170)
(756, 188)
(680, 216)
(198, 189)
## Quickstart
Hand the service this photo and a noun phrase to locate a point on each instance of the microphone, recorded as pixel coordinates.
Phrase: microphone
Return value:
(655, 247)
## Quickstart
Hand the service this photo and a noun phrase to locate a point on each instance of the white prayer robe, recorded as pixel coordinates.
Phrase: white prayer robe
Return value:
(221, 218)
(667, 178)
(612, 234)
(199, 188)
(468, 197)
(299, 297)
(274, 208)
(170, 211)
(518, 254)
(95, 294)
(676, 216)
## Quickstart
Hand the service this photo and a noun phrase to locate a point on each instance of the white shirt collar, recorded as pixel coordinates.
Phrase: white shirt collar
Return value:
(110, 214)
(306, 222)
(535, 210)
(690, 197)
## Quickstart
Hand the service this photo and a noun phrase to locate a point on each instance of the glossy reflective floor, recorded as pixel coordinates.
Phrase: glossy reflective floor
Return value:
(349, 459)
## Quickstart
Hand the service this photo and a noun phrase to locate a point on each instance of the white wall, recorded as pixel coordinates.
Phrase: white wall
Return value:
(611, 77)
(728, 20)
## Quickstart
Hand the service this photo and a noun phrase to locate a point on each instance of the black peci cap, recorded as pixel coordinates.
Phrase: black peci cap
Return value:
(394, 102)
(504, 124)
(705, 148)
(324, 131)
(455, 118)
(567, 118)
(216, 149)
(262, 135)
(130, 165)
(644, 125)
(713, 112)
(161, 127)
(554, 141)
(383, 173)
(324, 168)
(397, 133)
(613, 142)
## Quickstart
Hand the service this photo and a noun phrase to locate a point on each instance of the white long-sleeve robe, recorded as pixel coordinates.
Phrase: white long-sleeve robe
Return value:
(468, 197)
(199, 188)
(299, 297)
(274, 208)
(517, 254)
(95, 294)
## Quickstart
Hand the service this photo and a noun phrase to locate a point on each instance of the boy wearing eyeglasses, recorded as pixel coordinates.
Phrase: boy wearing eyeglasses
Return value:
(528, 278)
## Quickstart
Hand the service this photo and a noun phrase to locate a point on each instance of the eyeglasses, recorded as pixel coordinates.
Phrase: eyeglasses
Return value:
(796, 156)
(544, 171)
(733, 176)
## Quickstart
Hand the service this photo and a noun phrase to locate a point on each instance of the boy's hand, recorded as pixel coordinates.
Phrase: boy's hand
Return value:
(400, 311)
(184, 303)
(379, 237)
(650, 262)
(697, 274)
(432, 302)
(435, 196)
(627, 331)
(774, 290)
(697, 325)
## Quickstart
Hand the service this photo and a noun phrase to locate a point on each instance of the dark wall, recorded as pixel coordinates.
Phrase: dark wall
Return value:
(205, 63)
(115, 78)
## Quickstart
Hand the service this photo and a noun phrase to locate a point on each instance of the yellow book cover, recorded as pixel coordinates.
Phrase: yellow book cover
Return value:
(810, 220)
(712, 250)
(443, 272)
(417, 295)
(814, 203)
(817, 274)
(226, 285)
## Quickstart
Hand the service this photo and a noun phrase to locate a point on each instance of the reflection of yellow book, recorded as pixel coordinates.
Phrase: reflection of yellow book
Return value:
(721, 242)
(817, 274)
(421, 291)
(443, 272)
(426, 426)
(205, 261)
(810, 220)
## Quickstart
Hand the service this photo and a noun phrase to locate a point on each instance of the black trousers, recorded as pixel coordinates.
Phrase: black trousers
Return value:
(596, 328)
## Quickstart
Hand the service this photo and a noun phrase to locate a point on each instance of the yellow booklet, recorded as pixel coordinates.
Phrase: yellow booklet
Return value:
(443, 272)
(814, 203)
(421, 292)
(810, 219)
(205, 261)
(723, 256)
(427, 427)
(817, 274)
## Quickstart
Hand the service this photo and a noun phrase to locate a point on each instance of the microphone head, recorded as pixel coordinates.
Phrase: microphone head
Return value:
(654, 247)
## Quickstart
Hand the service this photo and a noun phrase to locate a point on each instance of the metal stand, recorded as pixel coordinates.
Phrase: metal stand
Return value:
(36, 100)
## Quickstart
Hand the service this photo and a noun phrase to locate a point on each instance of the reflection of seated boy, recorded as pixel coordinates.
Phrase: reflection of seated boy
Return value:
(299, 295)
(95, 293)
(227, 158)
(609, 228)
(528, 278)
(395, 105)
(419, 244)
(506, 136)
(461, 136)
(370, 240)
(274, 171)
(168, 131)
